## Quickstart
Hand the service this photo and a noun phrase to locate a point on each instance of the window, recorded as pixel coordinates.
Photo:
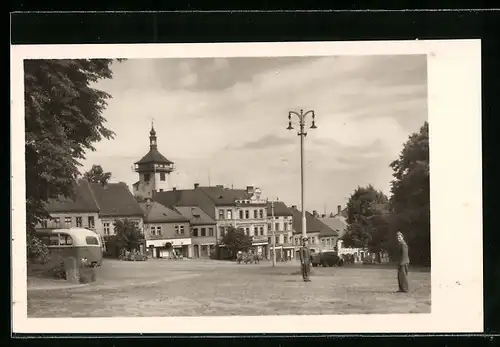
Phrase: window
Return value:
(179, 229)
(221, 231)
(255, 214)
(203, 231)
(44, 224)
(285, 239)
(137, 223)
(261, 230)
(147, 177)
(277, 239)
(221, 214)
(79, 222)
(277, 226)
(195, 232)
(229, 214)
(210, 231)
(91, 240)
(269, 240)
(56, 222)
(91, 222)
(247, 231)
(65, 240)
(241, 214)
(261, 214)
(286, 226)
(269, 226)
(162, 176)
(106, 228)
(54, 240)
(247, 214)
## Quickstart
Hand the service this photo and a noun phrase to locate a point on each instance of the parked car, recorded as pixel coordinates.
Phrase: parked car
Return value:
(326, 258)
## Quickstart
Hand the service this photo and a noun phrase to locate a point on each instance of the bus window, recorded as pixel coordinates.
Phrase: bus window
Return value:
(45, 240)
(91, 240)
(65, 240)
(54, 240)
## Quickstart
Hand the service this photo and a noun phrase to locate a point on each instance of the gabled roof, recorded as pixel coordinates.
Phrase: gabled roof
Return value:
(155, 212)
(224, 196)
(154, 156)
(81, 201)
(313, 224)
(195, 215)
(188, 197)
(280, 209)
(115, 199)
(337, 224)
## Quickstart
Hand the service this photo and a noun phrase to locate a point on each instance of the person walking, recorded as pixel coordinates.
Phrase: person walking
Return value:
(404, 261)
(305, 260)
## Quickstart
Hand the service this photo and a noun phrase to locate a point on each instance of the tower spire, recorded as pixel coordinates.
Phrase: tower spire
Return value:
(152, 136)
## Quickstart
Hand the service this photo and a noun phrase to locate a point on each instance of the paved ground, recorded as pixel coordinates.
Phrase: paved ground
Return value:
(215, 288)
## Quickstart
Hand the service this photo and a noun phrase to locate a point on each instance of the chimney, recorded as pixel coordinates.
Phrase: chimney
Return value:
(339, 209)
(174, 189)
(196, 185)
(294, 207)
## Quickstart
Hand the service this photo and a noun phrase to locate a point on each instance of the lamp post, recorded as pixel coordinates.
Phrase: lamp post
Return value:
(302, 133)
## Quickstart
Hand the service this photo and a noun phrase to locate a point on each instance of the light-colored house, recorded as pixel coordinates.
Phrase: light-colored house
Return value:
(165, 226)
(203, 229)
(314, 226)
(94, 206)
(281, 219)
(243, 209)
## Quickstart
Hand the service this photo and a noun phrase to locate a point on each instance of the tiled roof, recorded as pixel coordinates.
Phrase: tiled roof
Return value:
(188, 197)
(154, 156)
(224, 196)
(314, 225)
(195, 215)
(81, 201)
(280, 209)
(155, 212)
(337, 224)
(115, 199)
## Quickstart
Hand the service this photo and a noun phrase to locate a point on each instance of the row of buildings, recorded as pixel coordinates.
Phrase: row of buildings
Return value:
(192, 220)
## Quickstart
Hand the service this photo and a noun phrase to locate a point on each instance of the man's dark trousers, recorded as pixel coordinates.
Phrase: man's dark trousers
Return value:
(403, 277)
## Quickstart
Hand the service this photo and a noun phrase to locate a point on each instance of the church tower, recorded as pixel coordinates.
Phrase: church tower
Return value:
(153, 169)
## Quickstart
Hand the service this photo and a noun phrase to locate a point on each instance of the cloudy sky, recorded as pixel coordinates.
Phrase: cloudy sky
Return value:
(225, 120)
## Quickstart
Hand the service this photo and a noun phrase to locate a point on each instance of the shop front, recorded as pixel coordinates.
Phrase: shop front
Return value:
(168, 248)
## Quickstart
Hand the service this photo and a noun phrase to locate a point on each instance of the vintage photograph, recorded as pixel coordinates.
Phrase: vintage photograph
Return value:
(173, 187)
(233, 186)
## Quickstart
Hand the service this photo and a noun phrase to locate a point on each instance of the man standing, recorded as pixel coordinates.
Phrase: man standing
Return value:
(305, 260)
(404, 261)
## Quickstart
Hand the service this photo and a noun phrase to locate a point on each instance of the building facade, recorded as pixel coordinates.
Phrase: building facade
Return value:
(153, 170)
(166, 231)
(243, 209)
(280, 219)
(203, 230)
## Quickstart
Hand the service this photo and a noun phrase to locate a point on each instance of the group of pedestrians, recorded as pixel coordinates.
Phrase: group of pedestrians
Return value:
(404, 261)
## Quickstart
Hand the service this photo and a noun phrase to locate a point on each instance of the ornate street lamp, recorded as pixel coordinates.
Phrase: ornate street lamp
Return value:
(302, 133)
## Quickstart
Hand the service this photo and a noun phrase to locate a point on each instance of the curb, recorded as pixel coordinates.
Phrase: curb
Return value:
(56, 287)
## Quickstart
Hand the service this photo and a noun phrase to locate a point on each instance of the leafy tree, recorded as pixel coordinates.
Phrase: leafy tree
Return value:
(97, 175)
(410, 200)
(127, 237)
(63, 118)
(367, 219)
(236, 240)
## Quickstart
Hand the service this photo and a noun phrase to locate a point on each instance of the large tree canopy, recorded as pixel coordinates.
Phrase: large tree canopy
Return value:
(410, 200)
(236, 240)
(97, 175)
(63, 118)
(366, 218)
